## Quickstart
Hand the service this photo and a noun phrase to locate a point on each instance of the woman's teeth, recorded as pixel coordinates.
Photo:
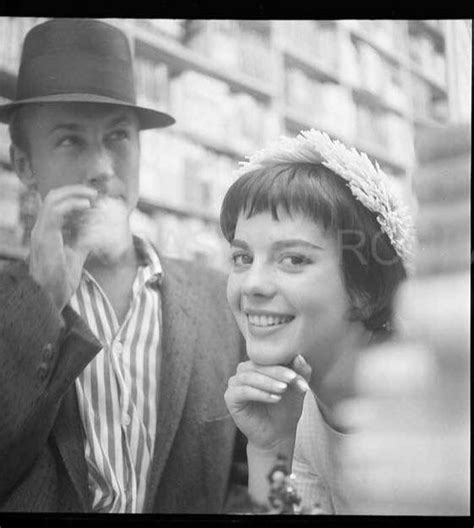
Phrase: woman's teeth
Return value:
(269, 320)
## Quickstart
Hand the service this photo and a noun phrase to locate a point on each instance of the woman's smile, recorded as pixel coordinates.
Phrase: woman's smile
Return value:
(261, 324)
(286, 288)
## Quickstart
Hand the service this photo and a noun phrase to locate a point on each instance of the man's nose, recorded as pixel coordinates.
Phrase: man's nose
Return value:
(99, 170)
(258, 281)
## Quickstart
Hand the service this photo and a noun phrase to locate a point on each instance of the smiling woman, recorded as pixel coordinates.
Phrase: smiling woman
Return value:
(286, 289)
(370, 265)
(319, 246)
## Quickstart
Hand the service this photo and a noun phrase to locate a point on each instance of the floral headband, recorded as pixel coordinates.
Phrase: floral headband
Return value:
(368, 183)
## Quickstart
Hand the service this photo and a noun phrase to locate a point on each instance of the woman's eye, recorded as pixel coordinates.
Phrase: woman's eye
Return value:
(295, 261)
(241, 259)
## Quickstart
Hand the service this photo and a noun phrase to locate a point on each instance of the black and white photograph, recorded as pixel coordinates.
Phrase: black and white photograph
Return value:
(235, 264)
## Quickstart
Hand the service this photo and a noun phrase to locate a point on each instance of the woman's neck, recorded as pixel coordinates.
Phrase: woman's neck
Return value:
(337, 381)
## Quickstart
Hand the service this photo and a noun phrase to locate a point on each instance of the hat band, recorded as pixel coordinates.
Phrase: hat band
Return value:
(62, 73)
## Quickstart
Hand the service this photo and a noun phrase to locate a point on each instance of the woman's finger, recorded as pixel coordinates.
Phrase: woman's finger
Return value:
(278, 372)
(301, 367)
(240, 394)
(259, 381)
(303, 370)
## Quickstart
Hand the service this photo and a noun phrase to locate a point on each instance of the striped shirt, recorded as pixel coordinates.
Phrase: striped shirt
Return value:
(117, 392)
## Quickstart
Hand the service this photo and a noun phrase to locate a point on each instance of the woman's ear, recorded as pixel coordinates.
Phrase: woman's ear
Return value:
(361, 308)
(22, 166)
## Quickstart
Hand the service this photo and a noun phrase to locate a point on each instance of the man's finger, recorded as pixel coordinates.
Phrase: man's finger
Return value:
(54, 215)
(55, 196)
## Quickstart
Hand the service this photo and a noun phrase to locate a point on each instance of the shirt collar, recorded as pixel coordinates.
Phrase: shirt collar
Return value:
(147, 258)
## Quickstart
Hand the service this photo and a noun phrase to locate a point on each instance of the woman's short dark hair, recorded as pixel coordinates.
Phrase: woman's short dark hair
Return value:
(371, 268)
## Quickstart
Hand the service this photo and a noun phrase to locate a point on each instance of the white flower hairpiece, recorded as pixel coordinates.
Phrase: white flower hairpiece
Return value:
(368, 183)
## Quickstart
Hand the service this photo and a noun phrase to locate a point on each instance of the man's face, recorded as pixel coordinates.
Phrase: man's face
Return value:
(83, 143)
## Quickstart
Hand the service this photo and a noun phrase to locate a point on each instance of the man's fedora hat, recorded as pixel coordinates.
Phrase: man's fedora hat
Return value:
(79, 60)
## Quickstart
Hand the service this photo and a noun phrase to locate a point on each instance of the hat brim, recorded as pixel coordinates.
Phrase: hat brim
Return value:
(148, 117)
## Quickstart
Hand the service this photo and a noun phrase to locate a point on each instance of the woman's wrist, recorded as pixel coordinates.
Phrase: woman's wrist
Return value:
(261, 460)
(284, 447)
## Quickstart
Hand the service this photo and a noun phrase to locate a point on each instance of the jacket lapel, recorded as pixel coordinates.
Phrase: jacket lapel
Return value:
(67, 429)
(179, 333)
(68, 433)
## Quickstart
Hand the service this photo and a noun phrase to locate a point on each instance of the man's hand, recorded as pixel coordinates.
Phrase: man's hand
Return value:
(54, 265)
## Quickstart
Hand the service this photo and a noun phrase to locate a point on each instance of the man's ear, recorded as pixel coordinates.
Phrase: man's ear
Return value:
(22, 166)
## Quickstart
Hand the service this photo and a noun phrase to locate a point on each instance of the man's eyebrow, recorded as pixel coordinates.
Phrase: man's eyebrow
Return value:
(120, 120)
(71, 127)
(123, 119)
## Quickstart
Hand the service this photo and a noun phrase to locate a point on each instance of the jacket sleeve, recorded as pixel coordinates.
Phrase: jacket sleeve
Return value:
(42, 351)
(238, 479)
(237, 493)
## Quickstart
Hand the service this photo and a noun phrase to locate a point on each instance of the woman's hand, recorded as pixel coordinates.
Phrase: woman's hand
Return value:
(266, 401)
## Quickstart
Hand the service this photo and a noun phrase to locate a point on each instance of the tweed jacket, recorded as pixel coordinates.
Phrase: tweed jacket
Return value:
(42, 463)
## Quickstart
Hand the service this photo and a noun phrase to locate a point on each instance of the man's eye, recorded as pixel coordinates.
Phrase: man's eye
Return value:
(119, 135)
(241, 259)
(68, 141)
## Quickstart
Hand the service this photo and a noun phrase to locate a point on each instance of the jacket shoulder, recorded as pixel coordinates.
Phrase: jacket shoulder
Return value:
(199, 276)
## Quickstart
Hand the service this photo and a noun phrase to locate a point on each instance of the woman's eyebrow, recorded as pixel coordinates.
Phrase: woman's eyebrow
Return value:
(239, 243)
(290, 243)
(280, 244)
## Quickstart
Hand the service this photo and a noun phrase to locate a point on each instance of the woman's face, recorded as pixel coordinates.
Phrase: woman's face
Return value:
(286, 289)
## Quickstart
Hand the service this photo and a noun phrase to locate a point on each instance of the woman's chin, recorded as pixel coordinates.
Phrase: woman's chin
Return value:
(263, 355)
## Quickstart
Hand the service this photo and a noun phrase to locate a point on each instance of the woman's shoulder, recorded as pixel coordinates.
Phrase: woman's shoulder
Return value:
(308, 433)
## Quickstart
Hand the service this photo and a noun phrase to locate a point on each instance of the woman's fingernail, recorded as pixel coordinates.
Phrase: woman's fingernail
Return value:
(302, 385)
(275, 397)
(290, 376)
(299, 361)
(281, 385)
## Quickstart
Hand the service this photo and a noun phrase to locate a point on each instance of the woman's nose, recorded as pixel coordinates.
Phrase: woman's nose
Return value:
(258, 281)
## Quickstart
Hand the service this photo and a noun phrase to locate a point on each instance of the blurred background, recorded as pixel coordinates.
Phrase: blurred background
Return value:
(399, 90)
(235, 85)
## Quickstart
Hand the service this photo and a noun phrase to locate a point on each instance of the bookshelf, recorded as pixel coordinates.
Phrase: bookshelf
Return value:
(233, 86)
(181, 58)
(13, 252)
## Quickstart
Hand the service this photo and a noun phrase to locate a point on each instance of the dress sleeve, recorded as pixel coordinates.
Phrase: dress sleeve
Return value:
(307, 483)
